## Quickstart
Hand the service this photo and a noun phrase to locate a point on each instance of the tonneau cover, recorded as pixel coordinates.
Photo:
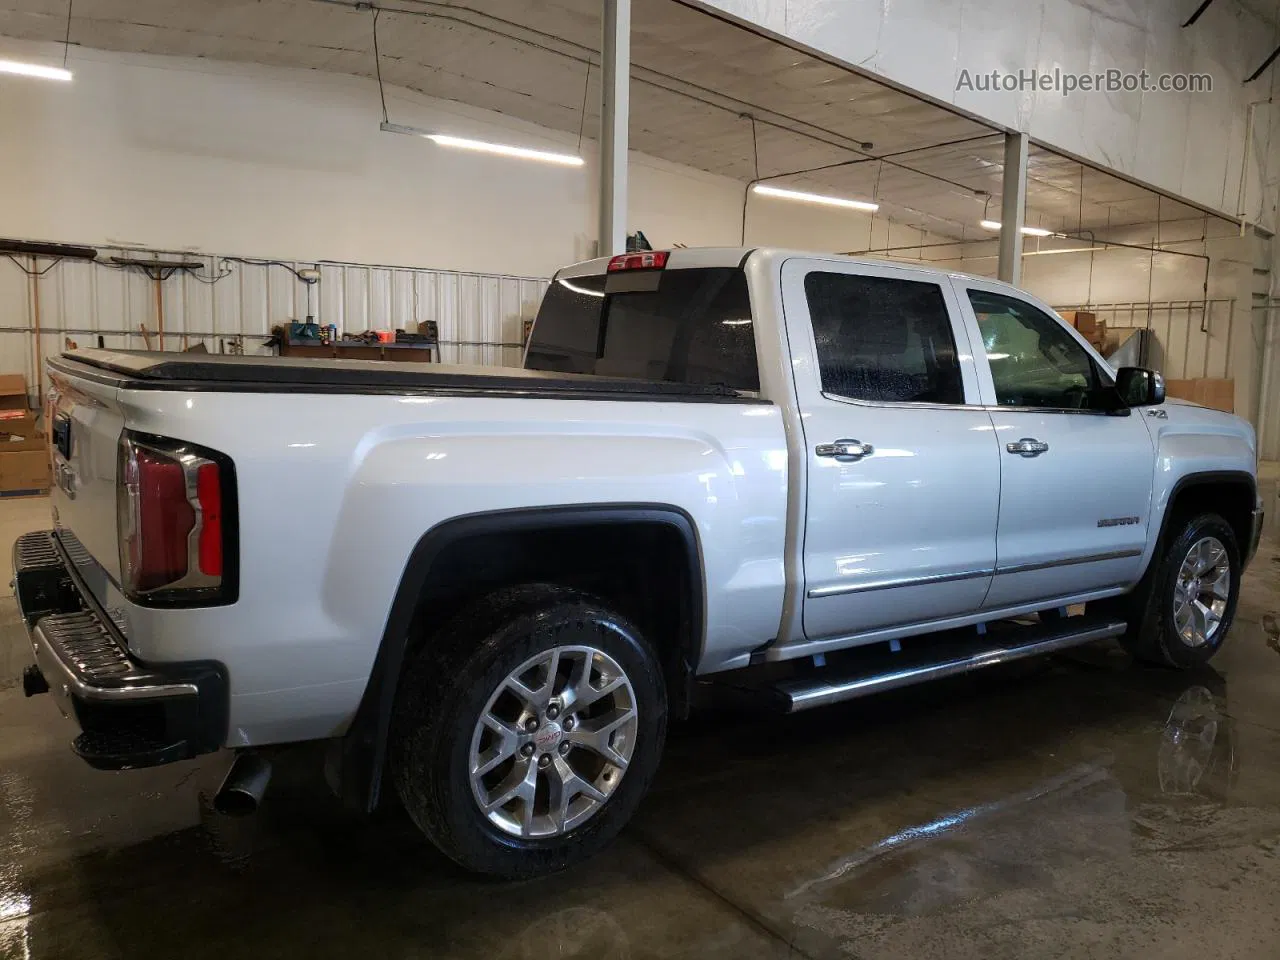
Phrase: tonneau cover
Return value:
(139, 369)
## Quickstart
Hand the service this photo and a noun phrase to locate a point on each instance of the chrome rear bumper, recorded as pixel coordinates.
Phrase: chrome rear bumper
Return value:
(130, 714)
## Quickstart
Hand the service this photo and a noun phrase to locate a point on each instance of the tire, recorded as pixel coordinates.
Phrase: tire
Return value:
(1156, 634)
(465, 672)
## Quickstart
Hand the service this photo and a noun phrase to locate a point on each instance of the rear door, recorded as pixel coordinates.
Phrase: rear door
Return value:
(902, 467)
(1076, 474)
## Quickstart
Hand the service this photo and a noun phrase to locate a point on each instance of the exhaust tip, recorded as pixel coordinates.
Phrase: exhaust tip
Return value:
(242, 789)
(33, 681)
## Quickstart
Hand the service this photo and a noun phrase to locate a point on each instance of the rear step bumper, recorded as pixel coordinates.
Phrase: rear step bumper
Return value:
(896, 670)
(130, 714)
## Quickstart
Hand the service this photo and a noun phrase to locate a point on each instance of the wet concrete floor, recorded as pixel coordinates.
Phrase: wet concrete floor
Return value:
(1079, 806)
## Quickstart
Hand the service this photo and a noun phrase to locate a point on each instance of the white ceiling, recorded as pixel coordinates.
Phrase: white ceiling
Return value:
(694, 78)
(1268, 10)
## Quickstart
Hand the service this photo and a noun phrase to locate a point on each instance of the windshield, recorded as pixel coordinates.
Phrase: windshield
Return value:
(685, 326)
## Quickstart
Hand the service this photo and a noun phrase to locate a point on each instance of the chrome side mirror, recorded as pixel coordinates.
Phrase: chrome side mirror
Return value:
(1140, 387)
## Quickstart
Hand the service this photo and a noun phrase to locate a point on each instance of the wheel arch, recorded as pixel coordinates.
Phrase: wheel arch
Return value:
(1230, 493)
(355, 762)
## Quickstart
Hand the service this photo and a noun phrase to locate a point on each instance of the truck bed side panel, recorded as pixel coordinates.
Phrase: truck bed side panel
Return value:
(335, 492)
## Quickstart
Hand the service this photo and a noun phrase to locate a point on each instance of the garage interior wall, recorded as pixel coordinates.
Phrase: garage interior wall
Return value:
(208, 158)
(178, 153)
(229, 306)
(1193, 334)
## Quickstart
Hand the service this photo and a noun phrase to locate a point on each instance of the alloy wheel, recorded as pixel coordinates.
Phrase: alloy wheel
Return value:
(553, 742)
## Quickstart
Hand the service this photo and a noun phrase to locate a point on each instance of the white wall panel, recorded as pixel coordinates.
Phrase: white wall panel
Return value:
(480, 317)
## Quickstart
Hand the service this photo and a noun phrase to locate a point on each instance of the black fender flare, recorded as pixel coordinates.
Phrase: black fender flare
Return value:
(355, 762)
(1182, 484)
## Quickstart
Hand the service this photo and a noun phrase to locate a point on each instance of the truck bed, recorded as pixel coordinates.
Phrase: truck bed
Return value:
(153, 370)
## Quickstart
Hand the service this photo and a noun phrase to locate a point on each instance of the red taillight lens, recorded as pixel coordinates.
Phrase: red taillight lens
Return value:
(164, 520)
(649, 260)
(209, 494)
(173, 521)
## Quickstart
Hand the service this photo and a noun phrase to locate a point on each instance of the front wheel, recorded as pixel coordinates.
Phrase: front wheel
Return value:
(1191, 598)
(527, 731)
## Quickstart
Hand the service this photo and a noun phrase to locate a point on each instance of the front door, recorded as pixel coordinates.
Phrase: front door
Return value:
(1075, 474)
(902, 467)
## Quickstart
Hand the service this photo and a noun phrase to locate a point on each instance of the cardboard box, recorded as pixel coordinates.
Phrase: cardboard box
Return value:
(1083, 320)
(22, 425)
(24, 470)
(1216, 393)
(13, 442)
(13, 392)
(1208, 392)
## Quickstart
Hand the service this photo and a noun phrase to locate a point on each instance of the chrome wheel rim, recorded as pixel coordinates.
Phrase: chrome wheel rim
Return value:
(1201, 591)
(553, 742)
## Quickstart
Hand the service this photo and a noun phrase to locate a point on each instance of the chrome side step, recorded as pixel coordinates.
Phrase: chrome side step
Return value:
(808, 692)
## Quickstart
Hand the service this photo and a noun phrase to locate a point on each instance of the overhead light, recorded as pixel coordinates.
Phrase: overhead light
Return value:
(502, 150)
(34, 70)
(483, 146)
(767, 191)
(1029, 231)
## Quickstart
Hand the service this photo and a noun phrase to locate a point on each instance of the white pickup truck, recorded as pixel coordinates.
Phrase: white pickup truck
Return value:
(489, 590)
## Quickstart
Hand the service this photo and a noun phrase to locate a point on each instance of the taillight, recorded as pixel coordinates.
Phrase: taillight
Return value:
(173, 519)
(649, 260)
(209, 494)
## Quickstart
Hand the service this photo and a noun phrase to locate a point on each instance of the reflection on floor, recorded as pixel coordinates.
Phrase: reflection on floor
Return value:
(1076, 806)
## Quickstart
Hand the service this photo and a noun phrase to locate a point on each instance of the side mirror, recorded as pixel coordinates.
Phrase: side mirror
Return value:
(1140, 387)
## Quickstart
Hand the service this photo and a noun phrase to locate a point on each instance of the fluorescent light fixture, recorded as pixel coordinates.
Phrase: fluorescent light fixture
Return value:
(502, 150)
(34, 70)
(735, 323)
(483, 146)
(1029, 231)
(768, 191)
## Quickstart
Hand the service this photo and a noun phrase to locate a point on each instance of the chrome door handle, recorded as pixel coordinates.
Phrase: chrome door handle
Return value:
(846, 451)
(1027, 447)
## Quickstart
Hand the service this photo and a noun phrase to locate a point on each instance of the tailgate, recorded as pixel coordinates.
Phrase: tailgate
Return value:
(85, 422)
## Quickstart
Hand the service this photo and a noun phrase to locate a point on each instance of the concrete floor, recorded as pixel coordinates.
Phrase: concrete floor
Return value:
(1075, 807)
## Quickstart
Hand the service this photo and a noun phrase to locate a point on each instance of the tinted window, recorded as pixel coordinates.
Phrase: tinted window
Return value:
(1034, 361)
(883, 340)
(693, 326)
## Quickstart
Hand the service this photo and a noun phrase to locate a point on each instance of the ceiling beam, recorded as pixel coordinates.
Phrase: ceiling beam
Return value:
(1265, 63)
(1198, 14)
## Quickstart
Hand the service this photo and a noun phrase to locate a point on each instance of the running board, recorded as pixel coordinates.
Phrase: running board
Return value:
(819, 691)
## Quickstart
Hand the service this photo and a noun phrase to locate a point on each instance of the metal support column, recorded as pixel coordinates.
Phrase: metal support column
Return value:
(1013, 207)
(615, 116)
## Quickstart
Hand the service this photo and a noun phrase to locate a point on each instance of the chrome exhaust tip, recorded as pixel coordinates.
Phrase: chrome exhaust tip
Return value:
(244, 785)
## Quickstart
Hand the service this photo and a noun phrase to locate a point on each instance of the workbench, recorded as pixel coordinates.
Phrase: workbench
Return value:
(348, 350)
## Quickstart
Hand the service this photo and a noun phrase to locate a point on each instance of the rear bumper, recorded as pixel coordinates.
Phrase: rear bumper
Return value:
(130, 714)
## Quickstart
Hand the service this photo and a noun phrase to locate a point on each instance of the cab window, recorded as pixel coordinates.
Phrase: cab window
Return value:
(1034, 361)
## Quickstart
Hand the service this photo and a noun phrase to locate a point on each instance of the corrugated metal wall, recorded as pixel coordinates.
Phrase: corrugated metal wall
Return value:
(1193, 338)
(231, 303)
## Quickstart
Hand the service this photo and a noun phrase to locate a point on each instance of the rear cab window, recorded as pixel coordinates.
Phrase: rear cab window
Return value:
(883, 339)
(691, 325)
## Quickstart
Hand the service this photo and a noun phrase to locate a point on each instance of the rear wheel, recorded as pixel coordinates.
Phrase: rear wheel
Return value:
(1181, 614)
(527, 731)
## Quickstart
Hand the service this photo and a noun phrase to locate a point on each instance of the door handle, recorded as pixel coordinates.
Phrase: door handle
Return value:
(846, 451)
(1027, 447)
